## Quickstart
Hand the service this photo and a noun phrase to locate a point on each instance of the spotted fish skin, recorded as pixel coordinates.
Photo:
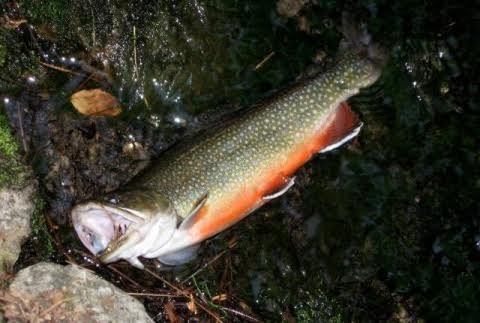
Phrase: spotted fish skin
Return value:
(257, 153)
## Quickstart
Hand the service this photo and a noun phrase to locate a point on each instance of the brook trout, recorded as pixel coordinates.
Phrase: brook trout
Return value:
(193, 193)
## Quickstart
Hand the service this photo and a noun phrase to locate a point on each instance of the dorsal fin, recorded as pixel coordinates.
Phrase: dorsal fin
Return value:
(343, 126)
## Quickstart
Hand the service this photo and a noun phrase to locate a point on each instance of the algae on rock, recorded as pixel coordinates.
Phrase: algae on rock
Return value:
(18, 192)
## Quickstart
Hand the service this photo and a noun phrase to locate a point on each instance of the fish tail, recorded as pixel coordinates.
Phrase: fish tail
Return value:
(357, 38)
(344, 125)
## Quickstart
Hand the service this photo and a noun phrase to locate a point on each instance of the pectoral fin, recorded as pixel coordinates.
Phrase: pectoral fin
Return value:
(135, 262)
(179, 257)
(189, 220)
(281, 191)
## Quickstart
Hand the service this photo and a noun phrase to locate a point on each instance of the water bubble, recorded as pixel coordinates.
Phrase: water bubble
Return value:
(436, 247)
(6, 100)
(477, 242)
(73, 59)
(409, 67)
(63, 59)
(155, 120)
(444, 89)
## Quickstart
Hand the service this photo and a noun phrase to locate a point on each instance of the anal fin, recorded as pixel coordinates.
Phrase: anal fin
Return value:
(289, 183)
(179, 257)
(135, 262)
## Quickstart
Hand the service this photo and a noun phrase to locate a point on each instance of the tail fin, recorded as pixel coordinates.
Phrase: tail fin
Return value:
(344, 126)
(357, 38)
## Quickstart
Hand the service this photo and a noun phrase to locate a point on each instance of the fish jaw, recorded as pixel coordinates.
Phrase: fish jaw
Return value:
(115, 232)
(97, 224)
(141, 238)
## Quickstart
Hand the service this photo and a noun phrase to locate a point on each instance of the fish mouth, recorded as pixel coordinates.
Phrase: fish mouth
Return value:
(97, 225)
(114, 232)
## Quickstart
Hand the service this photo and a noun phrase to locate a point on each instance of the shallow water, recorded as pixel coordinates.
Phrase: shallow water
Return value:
(385, 228)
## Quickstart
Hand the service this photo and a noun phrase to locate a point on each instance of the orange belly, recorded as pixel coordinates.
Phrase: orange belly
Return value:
(212, 219)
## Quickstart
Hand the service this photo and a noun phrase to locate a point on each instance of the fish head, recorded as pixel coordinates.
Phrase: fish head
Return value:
(125, 225)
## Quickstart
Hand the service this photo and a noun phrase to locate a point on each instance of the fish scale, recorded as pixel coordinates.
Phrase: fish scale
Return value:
(229, 162)
(222, 176)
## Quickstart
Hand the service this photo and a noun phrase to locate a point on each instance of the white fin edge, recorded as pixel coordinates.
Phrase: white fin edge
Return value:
(135, 262)
(282, 191)
(348, 137)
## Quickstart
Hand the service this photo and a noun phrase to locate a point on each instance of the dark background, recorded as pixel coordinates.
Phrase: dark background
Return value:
(386, 229)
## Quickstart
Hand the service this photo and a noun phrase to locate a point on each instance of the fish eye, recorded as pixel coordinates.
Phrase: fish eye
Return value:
(94, 241)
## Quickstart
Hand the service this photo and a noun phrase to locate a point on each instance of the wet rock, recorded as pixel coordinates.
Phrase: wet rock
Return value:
(58, 293)
(17, 198)
(18, 205)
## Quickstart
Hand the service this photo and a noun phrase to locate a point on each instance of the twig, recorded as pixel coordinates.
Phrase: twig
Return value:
(155, 295)
(61, 69)
(135, 72)
(263, 61)
(66, 70)
(215, 316)
(93, 24)
(240, 314)
(124, 276)
(20, 125)
(207, 264)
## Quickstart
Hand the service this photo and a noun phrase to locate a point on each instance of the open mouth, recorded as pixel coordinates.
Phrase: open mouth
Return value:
(97, 225)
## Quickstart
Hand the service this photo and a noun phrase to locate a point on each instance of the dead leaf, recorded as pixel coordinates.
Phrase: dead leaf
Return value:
(191, 305)
(170, 309)
(95, 102)
(220, 298)
(9, 23)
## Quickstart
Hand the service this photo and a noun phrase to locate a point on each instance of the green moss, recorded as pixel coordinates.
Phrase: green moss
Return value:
(12, 171)
(40, 230)
(8, 144)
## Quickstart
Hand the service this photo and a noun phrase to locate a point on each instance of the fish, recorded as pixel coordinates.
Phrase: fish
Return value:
(194, 192)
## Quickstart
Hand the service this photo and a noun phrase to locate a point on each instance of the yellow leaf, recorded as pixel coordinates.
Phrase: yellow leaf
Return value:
(95, 102)
(220, 298)
(170, 310)
(191, 305)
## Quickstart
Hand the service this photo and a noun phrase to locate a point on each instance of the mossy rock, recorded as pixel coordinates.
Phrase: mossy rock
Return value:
(13, 173)
(18, 195)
